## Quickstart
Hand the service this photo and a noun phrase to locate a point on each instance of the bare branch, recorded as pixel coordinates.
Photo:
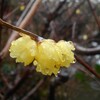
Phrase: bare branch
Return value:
(3, 23)
(73, 31)
(52, 16)
(82, 50)
(94, 14)
(87, 66)
(87, 51)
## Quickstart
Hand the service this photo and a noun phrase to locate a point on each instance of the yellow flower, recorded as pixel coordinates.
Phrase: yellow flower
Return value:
(51, 56)
(23, 49)
(78, 11)
(22, 7)
(67, 56)
(47, 58)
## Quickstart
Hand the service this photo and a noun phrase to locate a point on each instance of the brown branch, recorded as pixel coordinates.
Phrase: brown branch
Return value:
(87, 51)
(82, 50)
(94, 14)
(3, 23)
(85, 71)
(73, 31)
(87, 66)
(88, 74)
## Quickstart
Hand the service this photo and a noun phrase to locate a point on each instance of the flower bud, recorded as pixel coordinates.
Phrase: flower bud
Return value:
(23, 49)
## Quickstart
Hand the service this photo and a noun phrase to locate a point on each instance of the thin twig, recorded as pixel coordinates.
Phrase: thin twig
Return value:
(87, 66)
(1, 16)
(52, 16)
(32, 12)
(5, 80)
(82, 50)
(75, 8)
(32, 91)
(25, 12)
(94, 14)
(71, 15)
(34, 36)
(12, 12)
(87, 51)
(88, 74)
(73, 31)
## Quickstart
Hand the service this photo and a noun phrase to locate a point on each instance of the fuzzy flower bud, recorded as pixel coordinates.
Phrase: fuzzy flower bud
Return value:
(66, 49)
(23, 49)
(47, 60)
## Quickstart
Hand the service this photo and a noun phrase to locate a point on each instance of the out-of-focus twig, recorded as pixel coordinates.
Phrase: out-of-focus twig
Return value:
(30, 14)
(82, 50)
(1, 16)
(1, 8)
(88, 74)
(32, 91)
(25, 12)
(1, 96)
(75, 8)
(9, 86)
(66, 26)
(73, 31)
(12, 12)
(94, 14)
(87, 66)
(52, 16)
(87, 51)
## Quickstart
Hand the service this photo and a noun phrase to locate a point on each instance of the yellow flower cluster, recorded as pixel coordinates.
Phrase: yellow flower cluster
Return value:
(47, 55)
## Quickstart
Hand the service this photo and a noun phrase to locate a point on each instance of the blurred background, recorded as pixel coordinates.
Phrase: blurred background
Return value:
(74, 20)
